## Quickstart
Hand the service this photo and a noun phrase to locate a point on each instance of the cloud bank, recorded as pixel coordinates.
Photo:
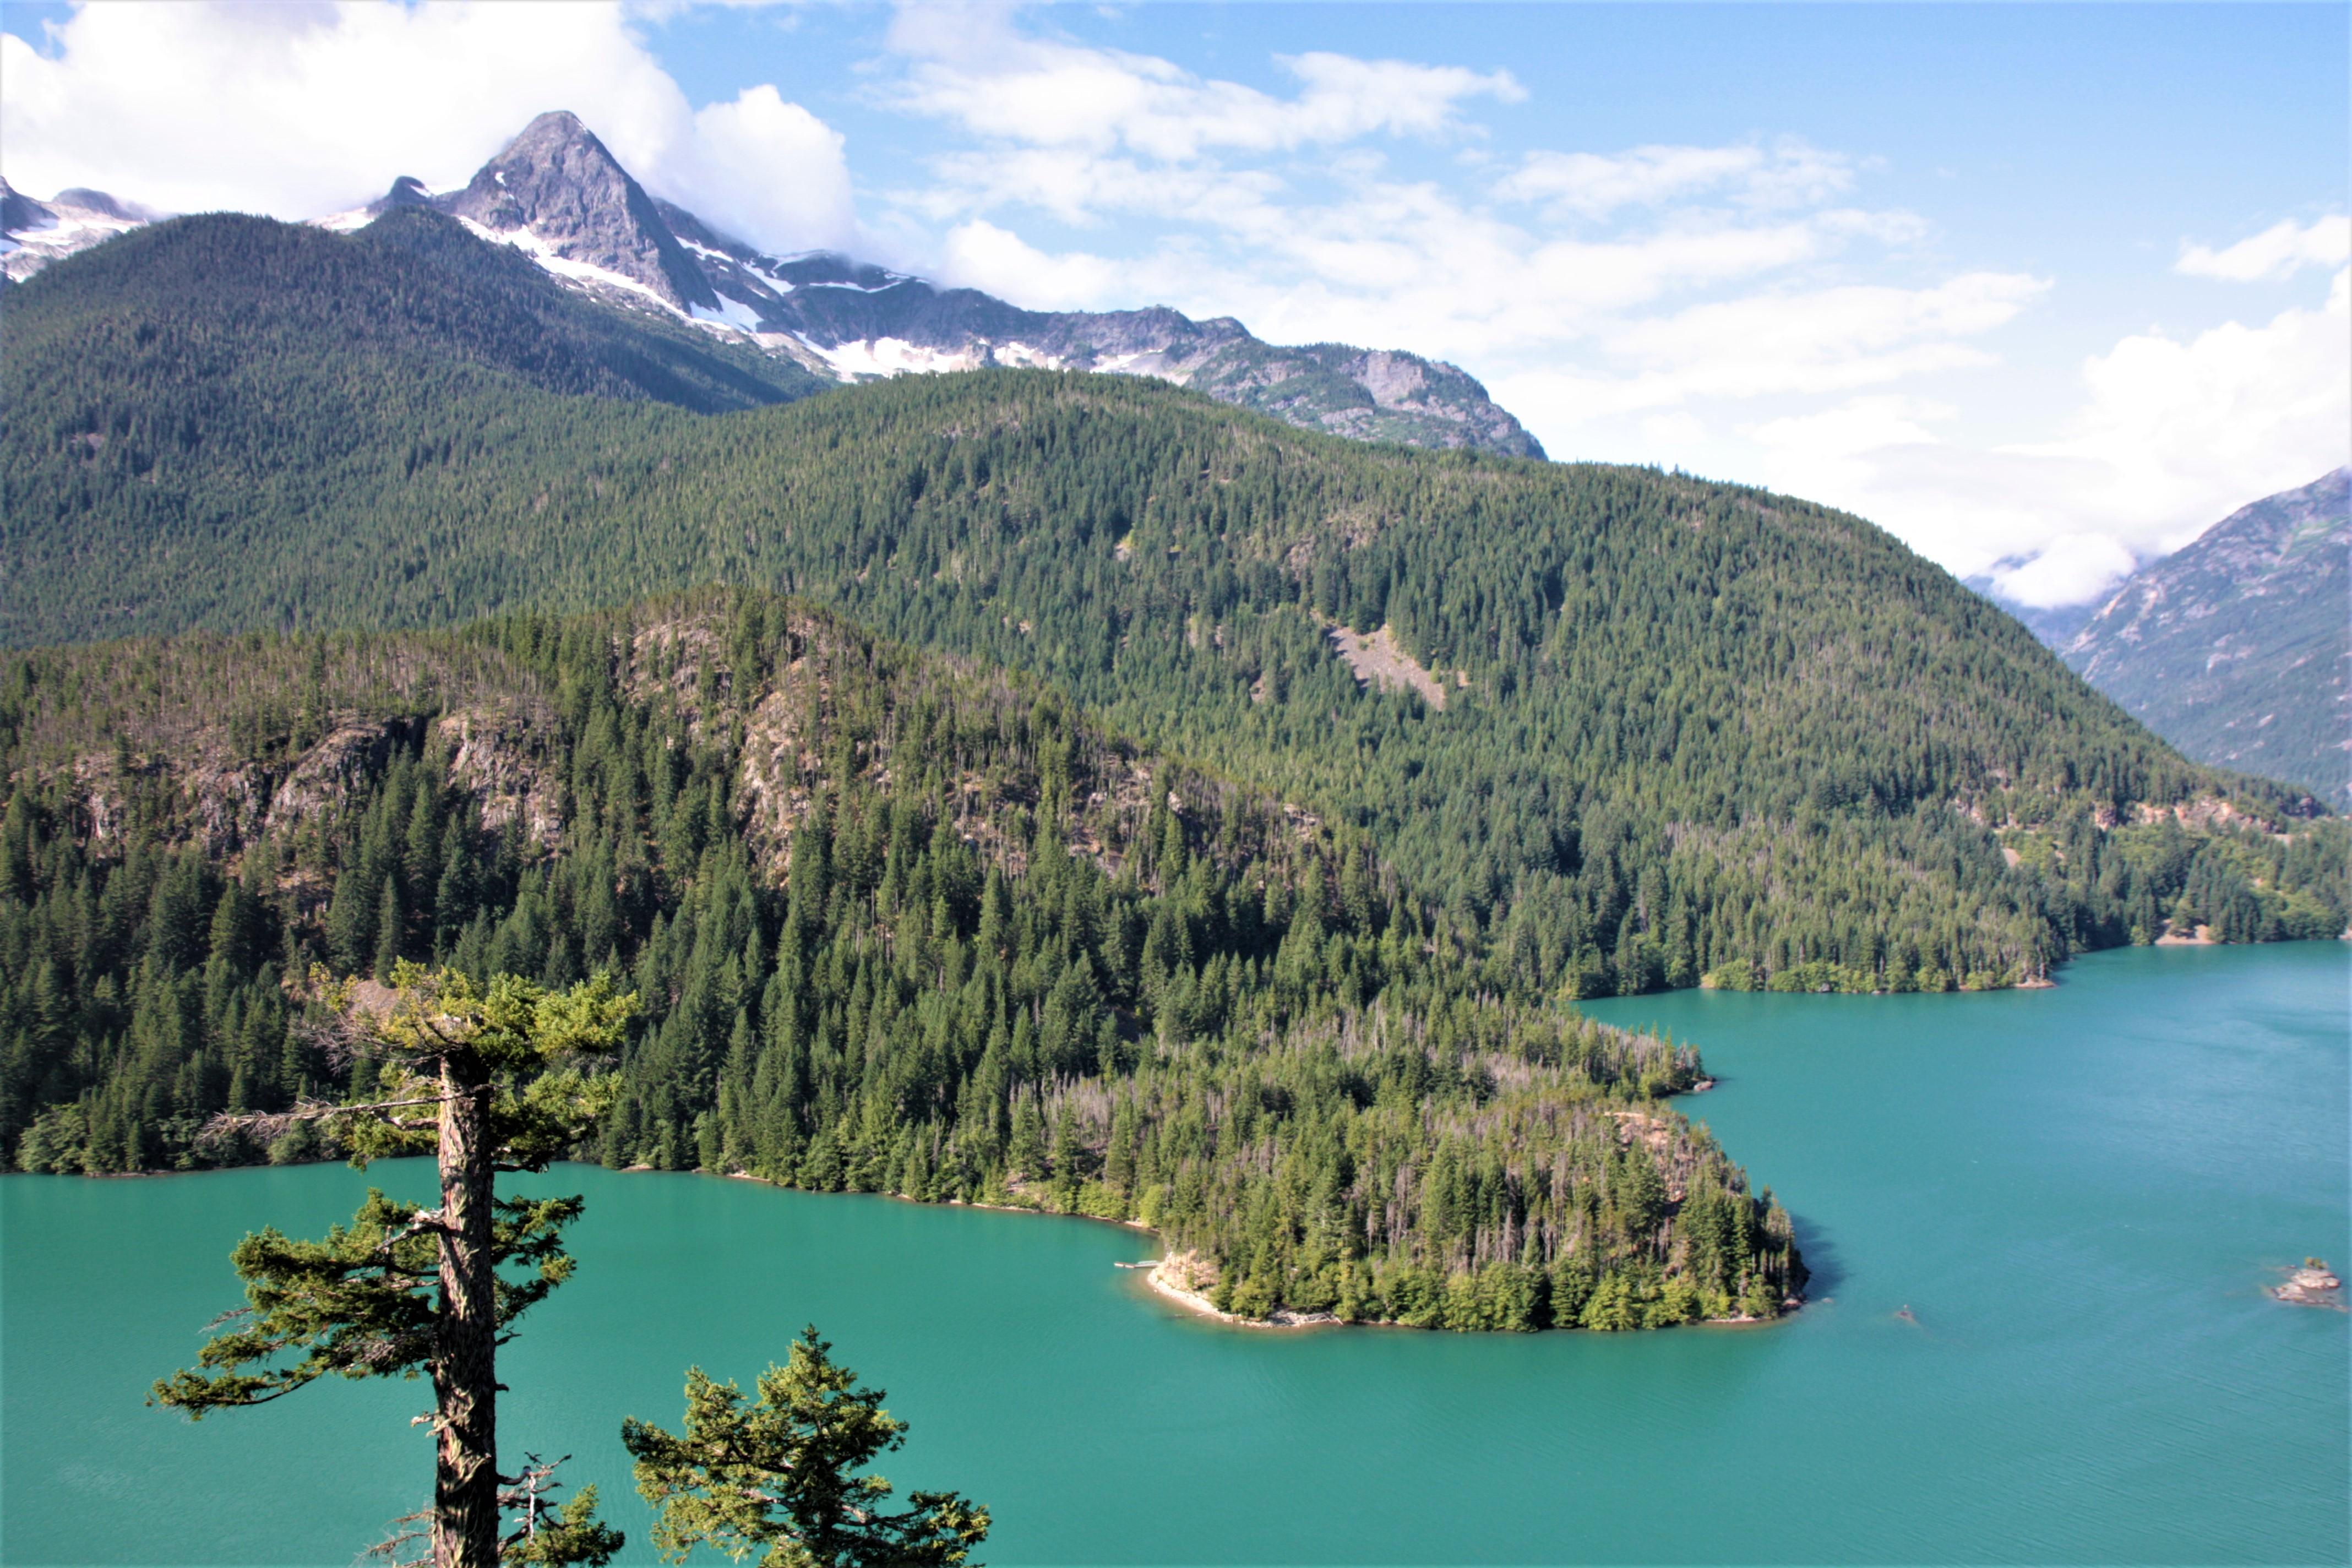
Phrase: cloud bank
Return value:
(2172, 434)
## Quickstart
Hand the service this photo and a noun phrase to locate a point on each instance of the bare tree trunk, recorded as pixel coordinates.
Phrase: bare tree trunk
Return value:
(465, 1367)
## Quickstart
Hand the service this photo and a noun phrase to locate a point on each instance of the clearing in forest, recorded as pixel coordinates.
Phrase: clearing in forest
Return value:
(1377, 660)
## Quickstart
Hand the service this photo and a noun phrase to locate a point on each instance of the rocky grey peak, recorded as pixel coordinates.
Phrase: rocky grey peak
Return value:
(557, 183)
(1371, 395)
(20, 211)
(407, 191)
(559, 195)
(849, 314)
(2236, 647)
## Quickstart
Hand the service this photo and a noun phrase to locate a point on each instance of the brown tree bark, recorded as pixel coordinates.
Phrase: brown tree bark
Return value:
(465, 1367)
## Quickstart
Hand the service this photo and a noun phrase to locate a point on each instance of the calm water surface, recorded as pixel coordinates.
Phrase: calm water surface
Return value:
(2078, 1192)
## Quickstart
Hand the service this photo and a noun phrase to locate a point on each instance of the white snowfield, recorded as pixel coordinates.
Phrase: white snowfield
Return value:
(732, 314)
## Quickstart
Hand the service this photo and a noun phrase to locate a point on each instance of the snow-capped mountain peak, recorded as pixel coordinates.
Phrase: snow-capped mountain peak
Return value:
(34, 233)
(583, 216)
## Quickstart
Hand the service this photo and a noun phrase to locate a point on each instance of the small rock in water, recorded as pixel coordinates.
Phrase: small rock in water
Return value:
(2313, 1285)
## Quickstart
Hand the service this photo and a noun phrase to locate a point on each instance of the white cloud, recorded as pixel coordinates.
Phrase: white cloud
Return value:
(2171, 435)
(2215, 420)
(2279, 251)
(978, 255)
(1597, 184)
(1590, 289)
(1082, 188)
(1390, 261)
(2069, 570)
(972, 67)
(1825, 340)
(300, 110)
(767, 169)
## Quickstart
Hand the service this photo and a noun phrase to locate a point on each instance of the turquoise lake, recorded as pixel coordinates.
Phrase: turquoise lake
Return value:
(2079, 1194)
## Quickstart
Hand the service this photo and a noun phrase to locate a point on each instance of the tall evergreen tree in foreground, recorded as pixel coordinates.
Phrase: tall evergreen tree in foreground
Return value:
(489, 1078)
(778, 1473)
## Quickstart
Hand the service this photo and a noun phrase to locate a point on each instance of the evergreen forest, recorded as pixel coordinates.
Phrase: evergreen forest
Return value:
(1664, 732)
(896, 923)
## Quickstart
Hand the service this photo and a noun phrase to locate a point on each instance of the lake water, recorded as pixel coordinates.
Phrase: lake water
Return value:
(2078, 1192)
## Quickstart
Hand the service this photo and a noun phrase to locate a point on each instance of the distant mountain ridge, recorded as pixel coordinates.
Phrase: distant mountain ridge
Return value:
(2236, 648)
(35, 233)
(557, 195)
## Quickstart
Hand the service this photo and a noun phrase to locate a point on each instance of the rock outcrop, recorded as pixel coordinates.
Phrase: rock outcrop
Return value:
(498, 755)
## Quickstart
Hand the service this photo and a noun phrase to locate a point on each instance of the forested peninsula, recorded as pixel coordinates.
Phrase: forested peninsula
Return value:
(1689, 731)
(896, 924)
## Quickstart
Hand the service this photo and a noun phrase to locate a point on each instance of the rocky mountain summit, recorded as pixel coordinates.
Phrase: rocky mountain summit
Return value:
(557, 193)
(558, 184)
(2236, 648)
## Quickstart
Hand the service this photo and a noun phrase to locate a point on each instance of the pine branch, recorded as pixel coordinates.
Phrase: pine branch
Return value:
(270, 1125)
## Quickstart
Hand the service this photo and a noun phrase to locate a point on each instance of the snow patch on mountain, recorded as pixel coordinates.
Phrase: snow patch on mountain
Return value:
(731, 313)
(1026, 358)
(585, 273)
(860, 360)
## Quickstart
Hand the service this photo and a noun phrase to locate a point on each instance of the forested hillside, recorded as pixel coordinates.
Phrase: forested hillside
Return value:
(897, 925)
(1689, 729)
(221, 327)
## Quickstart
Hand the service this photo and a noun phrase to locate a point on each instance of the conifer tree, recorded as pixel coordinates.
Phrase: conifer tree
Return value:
(781, 1473)
(489, 1078)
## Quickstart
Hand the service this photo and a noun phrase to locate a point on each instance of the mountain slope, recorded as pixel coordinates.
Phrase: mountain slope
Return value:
(2236, 648)
(896, 926)
(1688, 728)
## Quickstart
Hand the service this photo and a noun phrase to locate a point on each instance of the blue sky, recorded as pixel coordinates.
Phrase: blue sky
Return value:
(2044, 289)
